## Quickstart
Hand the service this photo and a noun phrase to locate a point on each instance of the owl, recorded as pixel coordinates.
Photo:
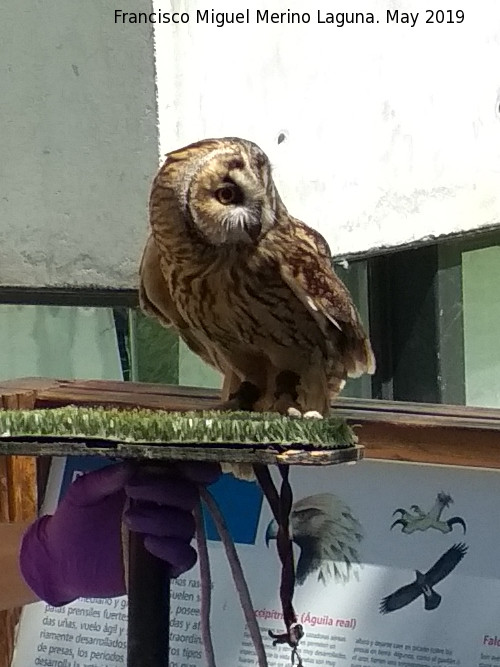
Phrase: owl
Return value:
(249, 288)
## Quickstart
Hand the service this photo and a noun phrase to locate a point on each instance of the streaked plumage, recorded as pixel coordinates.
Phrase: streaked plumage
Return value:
(424, 582)
(250, 289)
(328, 535)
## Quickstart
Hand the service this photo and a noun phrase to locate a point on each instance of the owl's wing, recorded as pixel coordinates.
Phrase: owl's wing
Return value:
(155, 300)
(154, 297)
(313, 238)
(307, 269)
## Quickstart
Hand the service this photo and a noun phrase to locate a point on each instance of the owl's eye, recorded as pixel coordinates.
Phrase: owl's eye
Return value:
(229, 194)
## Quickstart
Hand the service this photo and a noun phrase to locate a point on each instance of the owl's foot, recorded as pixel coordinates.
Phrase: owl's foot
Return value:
(295, 413)
(286, 394)
(244, 398)
(312, 414)
(286, 406)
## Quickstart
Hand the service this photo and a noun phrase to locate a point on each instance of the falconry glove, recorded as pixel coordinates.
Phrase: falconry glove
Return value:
(77, 551)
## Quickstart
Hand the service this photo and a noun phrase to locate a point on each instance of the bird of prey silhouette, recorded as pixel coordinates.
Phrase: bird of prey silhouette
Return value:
(328, 535)
(424, 582)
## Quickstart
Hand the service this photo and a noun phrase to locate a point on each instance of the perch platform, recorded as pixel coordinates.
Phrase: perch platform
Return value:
(397, 431)
(110, 425)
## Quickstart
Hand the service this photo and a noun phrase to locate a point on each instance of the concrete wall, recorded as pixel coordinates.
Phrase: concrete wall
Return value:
(78, 143)
(390, 131)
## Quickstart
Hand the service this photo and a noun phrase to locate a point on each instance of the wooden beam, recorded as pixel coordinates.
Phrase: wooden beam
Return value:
(18, 502)
(389, 430)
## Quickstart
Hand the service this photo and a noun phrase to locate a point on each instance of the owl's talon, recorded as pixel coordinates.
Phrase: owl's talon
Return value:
(285, 405)
(312, 414)
(286, 394)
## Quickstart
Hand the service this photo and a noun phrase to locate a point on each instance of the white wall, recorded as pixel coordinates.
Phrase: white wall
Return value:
(78, 142)
(393, 131)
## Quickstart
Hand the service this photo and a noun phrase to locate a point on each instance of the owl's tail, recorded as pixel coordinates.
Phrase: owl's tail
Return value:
(358, 357)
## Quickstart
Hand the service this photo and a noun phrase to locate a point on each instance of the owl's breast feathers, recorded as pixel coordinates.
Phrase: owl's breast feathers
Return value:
(279, 295)
(238, 299)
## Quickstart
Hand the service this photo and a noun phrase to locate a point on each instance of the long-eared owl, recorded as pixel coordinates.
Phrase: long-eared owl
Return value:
(249, 288)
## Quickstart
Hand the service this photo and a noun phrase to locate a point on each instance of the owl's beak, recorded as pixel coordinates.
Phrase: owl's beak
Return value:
(253, 229)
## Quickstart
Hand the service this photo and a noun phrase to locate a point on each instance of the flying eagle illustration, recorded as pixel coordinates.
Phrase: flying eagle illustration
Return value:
(424, 582)
(328, 536)
(420, 520)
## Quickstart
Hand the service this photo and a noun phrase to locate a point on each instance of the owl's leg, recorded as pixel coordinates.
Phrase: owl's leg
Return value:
(244, 398)
(286, 394)
(239, 394)
(314, 393)
(230, 384)
(302, 391)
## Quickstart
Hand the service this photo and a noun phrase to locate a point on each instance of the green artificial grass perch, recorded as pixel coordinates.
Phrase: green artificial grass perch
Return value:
(234, 439)
(176, 427)
(144, 433)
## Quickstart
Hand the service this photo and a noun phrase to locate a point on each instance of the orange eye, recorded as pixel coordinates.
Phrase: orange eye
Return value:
(229, 194)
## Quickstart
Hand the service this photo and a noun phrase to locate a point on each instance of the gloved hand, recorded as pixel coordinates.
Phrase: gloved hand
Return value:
(77, 552)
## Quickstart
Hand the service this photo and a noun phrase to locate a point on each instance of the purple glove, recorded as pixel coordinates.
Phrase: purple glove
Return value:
(77, 552)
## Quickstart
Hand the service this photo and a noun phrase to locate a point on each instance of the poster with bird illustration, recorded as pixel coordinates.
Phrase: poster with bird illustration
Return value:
(395, 565)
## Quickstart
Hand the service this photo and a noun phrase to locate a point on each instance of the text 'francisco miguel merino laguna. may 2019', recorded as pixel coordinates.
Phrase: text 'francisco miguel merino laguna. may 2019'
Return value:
(315, 17)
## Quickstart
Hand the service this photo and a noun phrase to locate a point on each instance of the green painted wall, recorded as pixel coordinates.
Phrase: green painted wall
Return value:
(481, 301)
(52, 341)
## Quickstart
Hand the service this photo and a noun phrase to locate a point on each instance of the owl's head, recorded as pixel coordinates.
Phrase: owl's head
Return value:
(224, 188)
